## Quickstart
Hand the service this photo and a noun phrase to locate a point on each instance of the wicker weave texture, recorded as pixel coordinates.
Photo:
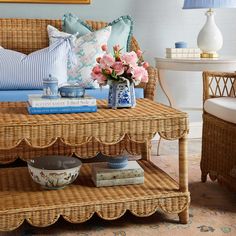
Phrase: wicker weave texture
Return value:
(28, 35)
(218, 147)
(25, 35)
(219, 136)
(120, 128)
(217, 84)
(21, 198)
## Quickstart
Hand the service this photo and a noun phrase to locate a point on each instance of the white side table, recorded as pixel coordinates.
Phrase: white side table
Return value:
(226, 64)
(163, 64)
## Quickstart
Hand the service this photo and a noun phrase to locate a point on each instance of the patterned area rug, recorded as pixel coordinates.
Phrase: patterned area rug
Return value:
(212, 209)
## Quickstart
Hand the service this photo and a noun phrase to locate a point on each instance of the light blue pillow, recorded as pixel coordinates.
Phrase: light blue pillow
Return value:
(121, 33)
(20, 71)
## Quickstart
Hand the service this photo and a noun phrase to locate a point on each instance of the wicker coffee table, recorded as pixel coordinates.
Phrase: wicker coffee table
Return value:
(22, 199)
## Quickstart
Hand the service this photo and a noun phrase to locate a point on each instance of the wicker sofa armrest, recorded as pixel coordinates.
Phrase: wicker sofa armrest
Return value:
(150, 89)
(218, 84)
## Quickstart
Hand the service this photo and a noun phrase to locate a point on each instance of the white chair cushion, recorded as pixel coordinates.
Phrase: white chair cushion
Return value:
(223, 108)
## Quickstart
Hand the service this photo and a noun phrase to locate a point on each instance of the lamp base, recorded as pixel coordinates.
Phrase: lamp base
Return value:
(210, 39)
(209, 55)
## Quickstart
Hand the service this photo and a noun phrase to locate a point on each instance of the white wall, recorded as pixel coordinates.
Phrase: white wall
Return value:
(158, 24)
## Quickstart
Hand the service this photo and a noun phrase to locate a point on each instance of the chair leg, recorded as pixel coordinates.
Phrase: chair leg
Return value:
(184, 216)
(203, 167)
(213, 175)
(146, 151)
(158, 146)
(203, 177)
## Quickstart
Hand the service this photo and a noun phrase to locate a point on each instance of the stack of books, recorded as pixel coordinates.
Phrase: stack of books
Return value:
(102, 175)
(183, 53)
(39, 105)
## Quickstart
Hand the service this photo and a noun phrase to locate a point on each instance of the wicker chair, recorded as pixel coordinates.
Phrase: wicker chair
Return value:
(219, 136)
(28, 35)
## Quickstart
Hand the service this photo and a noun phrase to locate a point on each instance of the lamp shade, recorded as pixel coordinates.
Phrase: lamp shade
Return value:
(194, 4)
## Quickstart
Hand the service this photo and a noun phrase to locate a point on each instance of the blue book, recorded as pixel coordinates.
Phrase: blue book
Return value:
(60, 110)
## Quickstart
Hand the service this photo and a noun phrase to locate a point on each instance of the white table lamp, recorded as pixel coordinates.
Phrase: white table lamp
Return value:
(210, 39)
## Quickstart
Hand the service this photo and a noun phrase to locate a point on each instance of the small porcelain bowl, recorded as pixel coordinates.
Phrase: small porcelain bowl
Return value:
(118, 162)
(71, 91)
(180, 45)
(54, 172)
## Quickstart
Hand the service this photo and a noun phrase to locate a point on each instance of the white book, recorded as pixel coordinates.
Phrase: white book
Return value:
(183, 50)
(36, 100)
(114, 182)
(183, 55)
(101, 171)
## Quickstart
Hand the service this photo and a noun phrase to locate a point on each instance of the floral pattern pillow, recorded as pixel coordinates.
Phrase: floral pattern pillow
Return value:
(85, 49)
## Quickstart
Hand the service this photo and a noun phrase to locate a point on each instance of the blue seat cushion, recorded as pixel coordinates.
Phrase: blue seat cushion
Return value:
(22, 95)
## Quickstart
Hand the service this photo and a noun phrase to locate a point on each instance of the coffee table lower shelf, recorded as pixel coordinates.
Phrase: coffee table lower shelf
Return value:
(22, 199)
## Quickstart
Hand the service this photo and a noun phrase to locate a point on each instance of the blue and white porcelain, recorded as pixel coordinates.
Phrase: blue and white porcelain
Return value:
(71, 91)
(50, 87)
(54, 172)
(121, 94)
(180, 45)
(118, 162)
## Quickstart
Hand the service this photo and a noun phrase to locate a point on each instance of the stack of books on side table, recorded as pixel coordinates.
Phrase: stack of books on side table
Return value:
(39, 105)
(102, 175)
(183, 53)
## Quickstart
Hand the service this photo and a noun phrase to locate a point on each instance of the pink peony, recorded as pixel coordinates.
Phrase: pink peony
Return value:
(108, 71)
(95, 76)
(96, 72)
(145, 65)
(104, 47)
(97, 69)
(118, 68)
(130, 58)
(120, 65)
(116, 48)
(107, 61)
(98, 76)
(139, 74)
(139, 53)
(98, 59)
(102, 80)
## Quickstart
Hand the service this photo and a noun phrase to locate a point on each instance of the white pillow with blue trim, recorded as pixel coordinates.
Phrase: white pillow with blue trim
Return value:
(21, 71)
(85, 50)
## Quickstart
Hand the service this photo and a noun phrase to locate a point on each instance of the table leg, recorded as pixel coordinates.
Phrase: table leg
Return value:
(183, 164)
(146, 150)
(164, 88)
(183, 176)
(166, 91)
(184, 216)
(158, 146)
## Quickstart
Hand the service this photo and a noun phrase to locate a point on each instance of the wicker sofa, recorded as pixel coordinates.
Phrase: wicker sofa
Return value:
(28, 35)
(219, 135)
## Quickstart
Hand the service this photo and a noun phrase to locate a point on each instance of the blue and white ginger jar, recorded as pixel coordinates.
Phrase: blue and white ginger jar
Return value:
(121, 94)
(50, 87)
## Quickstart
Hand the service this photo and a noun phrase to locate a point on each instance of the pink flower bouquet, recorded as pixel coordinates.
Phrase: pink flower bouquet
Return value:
(118, 66)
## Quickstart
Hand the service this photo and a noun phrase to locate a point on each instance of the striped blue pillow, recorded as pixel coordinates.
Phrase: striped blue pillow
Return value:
(20, 71)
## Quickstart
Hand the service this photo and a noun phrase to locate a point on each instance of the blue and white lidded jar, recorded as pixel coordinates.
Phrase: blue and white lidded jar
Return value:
(117, 162)
(180, 45)
(50, 87)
